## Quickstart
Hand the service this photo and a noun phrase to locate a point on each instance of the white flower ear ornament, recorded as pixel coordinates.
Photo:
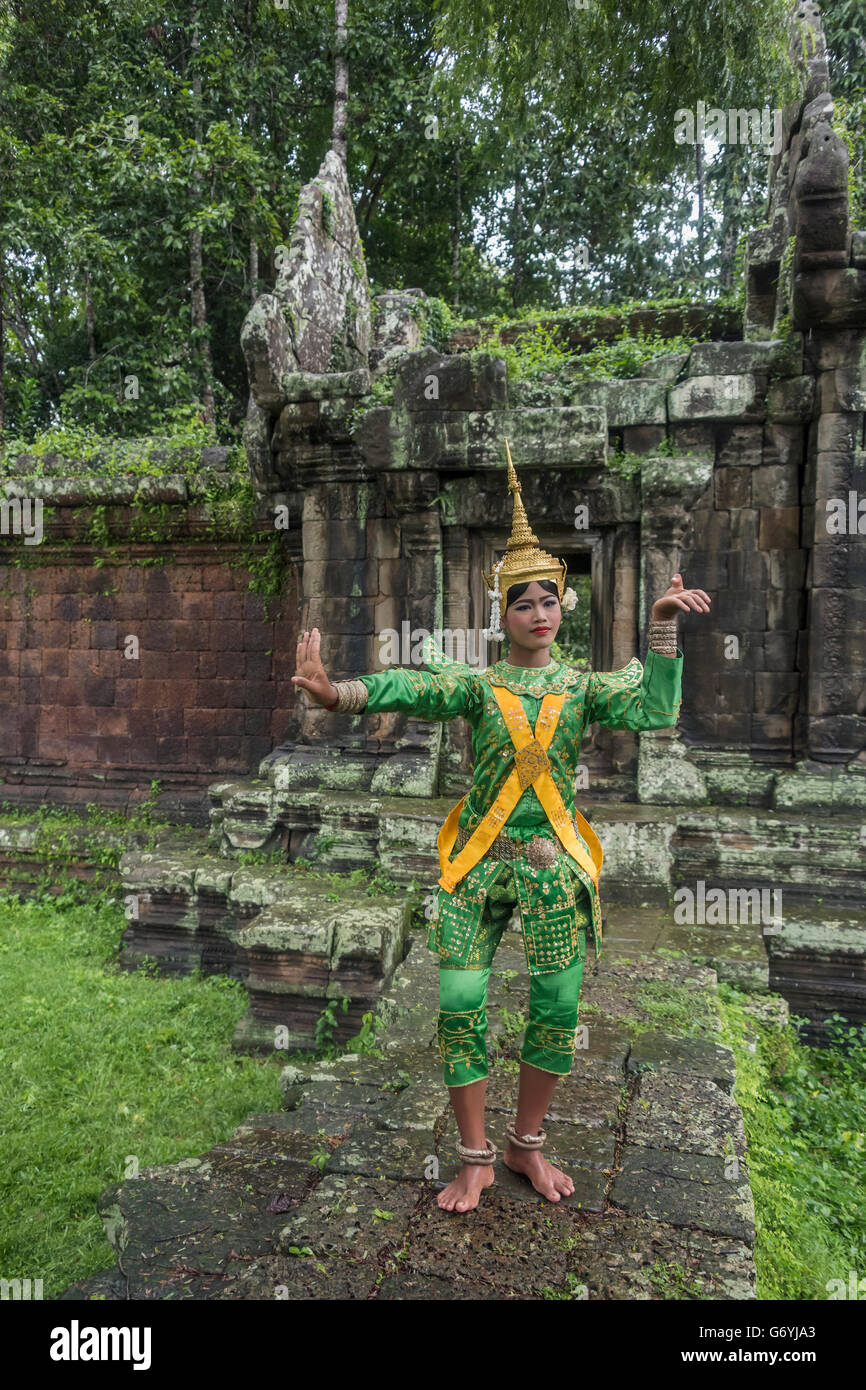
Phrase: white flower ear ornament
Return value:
(494, 631)
(569, 600)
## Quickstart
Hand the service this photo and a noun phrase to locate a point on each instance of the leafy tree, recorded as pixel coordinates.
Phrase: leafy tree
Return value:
(501, 157)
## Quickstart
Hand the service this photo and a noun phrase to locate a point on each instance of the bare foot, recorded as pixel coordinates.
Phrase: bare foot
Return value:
(462, 1194)
(549, 1181)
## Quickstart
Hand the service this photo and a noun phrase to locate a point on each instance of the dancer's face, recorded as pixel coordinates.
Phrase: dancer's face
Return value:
(532, 621)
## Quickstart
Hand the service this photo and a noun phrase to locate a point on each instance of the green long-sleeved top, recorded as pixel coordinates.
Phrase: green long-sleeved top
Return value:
(639, 697)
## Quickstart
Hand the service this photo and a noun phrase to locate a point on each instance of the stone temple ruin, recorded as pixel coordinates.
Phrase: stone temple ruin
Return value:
(395, 498)
(765, 776)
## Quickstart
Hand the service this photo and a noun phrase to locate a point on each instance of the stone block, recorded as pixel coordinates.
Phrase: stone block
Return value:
(780, 356)
(268, 352)
(294, 424)
(317, 386)
(346, 655)
(344, 540)
(383, 539)
(785, 609)
(838, 562)
(705, 569)
(257, 438)
(711, 530)
(746, 568)
(393, 577)
(820, 191)
(784, 569)
(722, 397)
(694, 439)
(766, 244)
(774, 485)
(739, 611)
(842, 391)
(377, 436)
(834, 297)
(841, 737)
(770, 731)
(732, 488)
(538, 438)
(831, 348)
(837, 694)
(663, 1185)
(735, 690)
(834, 609)
(779, 528)
(780, 650)
(399, 319)
(782, 444)
(343, 615)
(360, 576)
(839, 487)
(791, 401)
(738, 445)
(642, 439)
(777, 692)
(667, 367)
(627, 403)
(428, 380)
(337, 501)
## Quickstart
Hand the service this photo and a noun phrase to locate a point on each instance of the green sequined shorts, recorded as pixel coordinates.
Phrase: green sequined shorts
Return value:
(549, 1039)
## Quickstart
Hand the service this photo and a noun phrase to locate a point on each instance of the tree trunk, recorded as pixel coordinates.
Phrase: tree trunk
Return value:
(729, 251)
(732, 202)
(516, 221)
(89, 316)
(254, 250)
(458, 218)
(341, 80)
(2, 337)
(254, 270)
(699, 157)
(198, 305)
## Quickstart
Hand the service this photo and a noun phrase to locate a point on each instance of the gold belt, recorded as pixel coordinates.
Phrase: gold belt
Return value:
(540, 851)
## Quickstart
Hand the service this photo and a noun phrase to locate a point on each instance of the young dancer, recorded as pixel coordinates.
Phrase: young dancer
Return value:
(516, 837)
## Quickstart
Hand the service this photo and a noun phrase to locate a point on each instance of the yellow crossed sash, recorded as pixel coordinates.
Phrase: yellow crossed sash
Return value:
(531, 768)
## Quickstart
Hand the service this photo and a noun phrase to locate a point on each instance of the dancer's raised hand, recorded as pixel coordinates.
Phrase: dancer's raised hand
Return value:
(310, 673)
(678, 598)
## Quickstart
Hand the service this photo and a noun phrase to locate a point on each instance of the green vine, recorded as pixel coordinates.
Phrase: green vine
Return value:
(224, 504)
(785, 326)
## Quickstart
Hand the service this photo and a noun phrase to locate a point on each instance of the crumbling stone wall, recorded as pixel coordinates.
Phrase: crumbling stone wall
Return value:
(744, 443)
(154, 662)
(396, 502)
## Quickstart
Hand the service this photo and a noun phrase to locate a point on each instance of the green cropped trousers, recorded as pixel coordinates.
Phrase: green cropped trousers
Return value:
(549, 1040)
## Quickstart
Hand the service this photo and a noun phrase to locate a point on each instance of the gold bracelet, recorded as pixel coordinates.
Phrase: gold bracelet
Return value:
(352, 696)
(663, 636)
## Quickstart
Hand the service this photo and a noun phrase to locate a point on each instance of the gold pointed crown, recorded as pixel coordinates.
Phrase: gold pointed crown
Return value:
(524, 560)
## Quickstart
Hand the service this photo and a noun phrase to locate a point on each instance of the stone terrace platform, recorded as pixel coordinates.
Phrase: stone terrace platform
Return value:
(334, 1197)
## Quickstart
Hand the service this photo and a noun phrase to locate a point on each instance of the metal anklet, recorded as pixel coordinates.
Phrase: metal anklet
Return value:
(487, 1155)
(525, 1141)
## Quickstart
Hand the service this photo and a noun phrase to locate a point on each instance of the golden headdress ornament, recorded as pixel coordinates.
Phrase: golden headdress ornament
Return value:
(523, 561)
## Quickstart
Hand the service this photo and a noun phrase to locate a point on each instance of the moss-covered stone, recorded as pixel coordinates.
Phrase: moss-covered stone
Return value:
(821, 787)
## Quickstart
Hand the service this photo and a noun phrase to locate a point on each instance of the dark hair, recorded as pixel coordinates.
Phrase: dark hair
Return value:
(517, 590)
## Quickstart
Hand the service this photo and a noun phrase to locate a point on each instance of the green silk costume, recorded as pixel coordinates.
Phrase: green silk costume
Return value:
(558, 904)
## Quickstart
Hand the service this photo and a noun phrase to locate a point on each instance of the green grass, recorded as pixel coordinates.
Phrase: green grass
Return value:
(803, 1109)
(99, 1069)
